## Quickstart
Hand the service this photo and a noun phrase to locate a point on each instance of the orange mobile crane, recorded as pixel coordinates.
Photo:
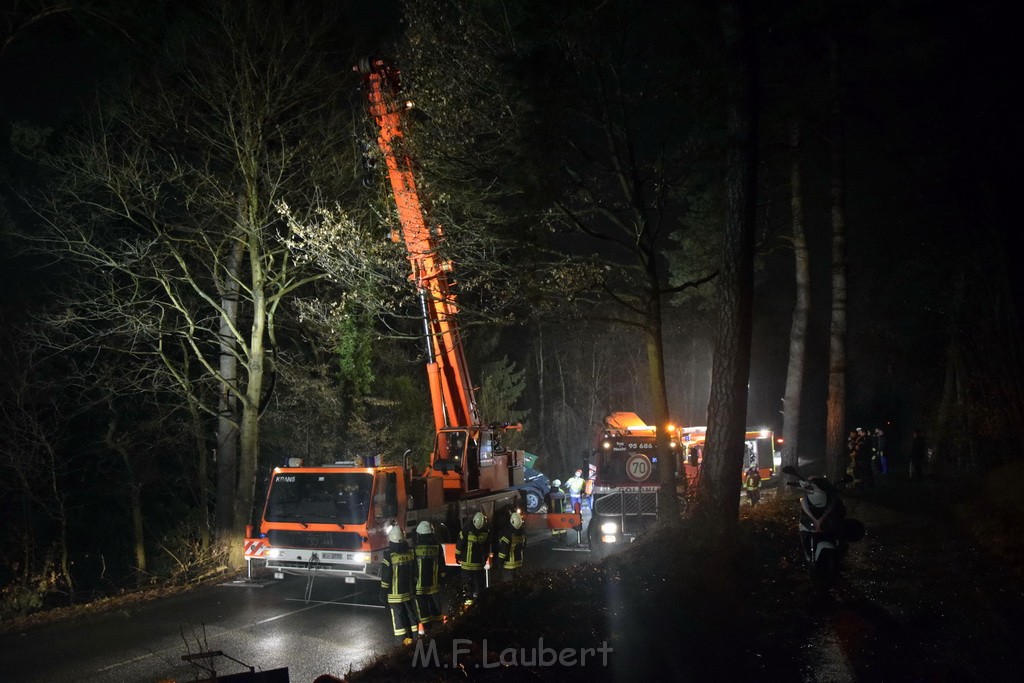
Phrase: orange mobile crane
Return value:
(334, 519)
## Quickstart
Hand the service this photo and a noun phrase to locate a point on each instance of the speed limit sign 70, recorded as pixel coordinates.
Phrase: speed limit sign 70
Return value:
(638, 467)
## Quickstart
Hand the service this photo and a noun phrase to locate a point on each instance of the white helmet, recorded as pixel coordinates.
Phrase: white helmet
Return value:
(425, 528)
(396, 535)
(479, 520)
(556, 483)
(516, 520)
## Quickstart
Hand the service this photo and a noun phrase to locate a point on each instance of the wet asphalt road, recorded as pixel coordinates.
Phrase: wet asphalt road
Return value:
(266, 623)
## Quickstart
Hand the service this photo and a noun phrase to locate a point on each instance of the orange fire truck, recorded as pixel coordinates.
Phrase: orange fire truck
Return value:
(627, 465)
(335, 518)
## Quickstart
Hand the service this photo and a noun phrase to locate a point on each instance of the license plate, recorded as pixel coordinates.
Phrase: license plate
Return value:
(333, 556)
(350, 579)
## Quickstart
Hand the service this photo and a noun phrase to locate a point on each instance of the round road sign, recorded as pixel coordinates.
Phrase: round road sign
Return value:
(638, 467)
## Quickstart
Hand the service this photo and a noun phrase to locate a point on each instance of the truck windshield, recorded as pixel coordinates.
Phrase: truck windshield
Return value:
(318, 498)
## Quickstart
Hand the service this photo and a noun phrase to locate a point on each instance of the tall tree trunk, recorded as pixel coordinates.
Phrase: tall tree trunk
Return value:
(202, 472)
(953, 438)
(227, 412)
(542, 407)
(801, 312)
(250, 426)
(135, 499)
(668, 501)
(835, 436)
(719, 495)
(59, 513)
(134, 494)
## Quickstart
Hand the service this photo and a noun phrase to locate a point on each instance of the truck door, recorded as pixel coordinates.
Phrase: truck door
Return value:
(385, 499)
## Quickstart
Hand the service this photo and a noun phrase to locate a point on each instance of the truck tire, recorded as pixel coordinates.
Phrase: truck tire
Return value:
(598, 549)
(533, 500)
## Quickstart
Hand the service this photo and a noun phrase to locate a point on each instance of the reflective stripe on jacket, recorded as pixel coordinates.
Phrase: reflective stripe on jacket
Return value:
(429, 558)
(511, 546)
(397, 573)
(472, 548)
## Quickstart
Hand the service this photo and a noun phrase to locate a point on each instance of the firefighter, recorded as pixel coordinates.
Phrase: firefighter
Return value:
(397, 581)
(471, 551)
(556, 505)
(752, 484)
(429, 570)
(588, 493)
(575, 486)
(863, 475)
(511, 546)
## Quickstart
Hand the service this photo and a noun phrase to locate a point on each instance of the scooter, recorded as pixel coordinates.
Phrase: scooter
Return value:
(825, 530)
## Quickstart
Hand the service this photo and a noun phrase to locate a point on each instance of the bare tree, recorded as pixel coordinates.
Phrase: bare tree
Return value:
(34, 471)
(171, 194)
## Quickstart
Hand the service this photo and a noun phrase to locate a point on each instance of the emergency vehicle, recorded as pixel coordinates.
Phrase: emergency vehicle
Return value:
(627, 479)
(334, 519)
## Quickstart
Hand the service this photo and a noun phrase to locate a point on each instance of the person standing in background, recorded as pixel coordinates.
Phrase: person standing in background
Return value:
(880, 458)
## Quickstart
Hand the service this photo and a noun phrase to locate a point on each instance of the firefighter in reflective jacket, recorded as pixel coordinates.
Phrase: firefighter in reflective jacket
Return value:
(511, 546)
(397, 580)
(429, 570)
(752, 484)
(471, 551)
(556, 505)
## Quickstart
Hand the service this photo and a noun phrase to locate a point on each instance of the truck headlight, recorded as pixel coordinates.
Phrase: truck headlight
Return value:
(274, 552)
(609, 527)
(362, 557)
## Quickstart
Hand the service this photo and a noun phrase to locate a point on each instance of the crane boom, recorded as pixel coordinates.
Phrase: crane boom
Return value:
(451, 389)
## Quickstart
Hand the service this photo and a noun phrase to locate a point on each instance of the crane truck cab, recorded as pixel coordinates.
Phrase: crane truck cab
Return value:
(334, 519)
(627, 481)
